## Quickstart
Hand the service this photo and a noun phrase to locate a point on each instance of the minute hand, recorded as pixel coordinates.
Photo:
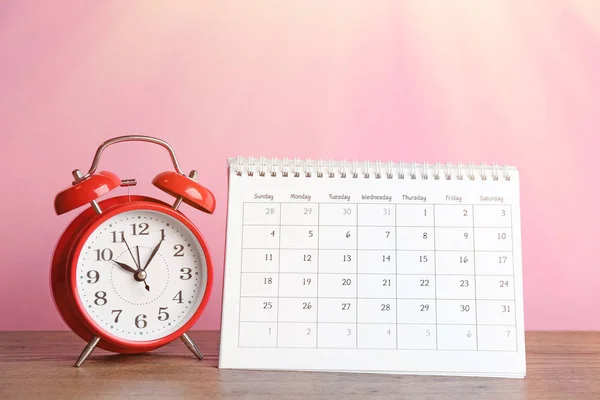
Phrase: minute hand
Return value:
(152, 255)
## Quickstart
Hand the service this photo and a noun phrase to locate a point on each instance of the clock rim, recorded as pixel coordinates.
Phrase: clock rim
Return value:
(76, 316)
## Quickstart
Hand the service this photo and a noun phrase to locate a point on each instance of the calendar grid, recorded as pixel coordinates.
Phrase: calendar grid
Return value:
(318, 264)
(381, 298)
(435, 286)
(370, 323)
(512, 247)
(396, 274)
(357, 280)
(412, 244)
(375, 249)
(369, 273)
(241, 279)
(380, 348)
(475, 277)
(379, 226)
(278, 278)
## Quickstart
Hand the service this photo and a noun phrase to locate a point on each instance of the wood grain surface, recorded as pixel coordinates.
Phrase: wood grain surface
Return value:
(560, 365)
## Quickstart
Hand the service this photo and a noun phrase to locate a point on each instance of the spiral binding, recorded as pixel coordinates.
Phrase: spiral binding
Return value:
(368, 169)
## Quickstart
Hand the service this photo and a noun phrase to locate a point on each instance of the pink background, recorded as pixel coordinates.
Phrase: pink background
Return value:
(460, 81)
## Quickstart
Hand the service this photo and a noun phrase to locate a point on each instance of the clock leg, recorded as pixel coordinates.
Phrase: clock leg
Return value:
(191, 345)
(87, 350)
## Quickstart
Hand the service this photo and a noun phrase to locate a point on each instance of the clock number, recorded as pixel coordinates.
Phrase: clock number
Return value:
(93, 275)
(187, 273)
(118, 237)
(163, 315)
(178, 250)
(140, 322)
(104, 254)
(118, 314)
(163, 236)
(143, 229)
(178, 297)
(100, 299)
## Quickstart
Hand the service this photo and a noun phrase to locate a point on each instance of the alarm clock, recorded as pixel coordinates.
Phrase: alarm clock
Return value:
(131, 273)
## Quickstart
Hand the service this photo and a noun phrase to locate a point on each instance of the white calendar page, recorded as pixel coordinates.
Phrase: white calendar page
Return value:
(373, 273)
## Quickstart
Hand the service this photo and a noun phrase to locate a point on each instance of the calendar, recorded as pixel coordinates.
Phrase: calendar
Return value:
(379, 267)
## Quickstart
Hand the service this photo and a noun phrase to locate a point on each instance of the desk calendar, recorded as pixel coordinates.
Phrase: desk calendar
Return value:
(373, 267)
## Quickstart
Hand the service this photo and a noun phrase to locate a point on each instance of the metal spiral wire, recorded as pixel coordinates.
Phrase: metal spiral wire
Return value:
(354, 169)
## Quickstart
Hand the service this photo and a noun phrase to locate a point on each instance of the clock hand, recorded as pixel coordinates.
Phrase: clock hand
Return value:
(153, 254)
(125, 267)
(136, 263)
(137, 251)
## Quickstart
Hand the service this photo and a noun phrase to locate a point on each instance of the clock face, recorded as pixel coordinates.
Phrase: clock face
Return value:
(141, 275)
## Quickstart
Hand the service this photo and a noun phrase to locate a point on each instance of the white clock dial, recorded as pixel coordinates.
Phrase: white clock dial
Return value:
(129, 297)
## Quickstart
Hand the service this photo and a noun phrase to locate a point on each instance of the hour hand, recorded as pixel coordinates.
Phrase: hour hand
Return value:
(125, 267)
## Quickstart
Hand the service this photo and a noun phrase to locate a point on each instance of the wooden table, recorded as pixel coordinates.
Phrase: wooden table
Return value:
(561, 365)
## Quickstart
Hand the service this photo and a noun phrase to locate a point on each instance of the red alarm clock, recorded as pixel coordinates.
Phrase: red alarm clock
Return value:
(131, 273)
